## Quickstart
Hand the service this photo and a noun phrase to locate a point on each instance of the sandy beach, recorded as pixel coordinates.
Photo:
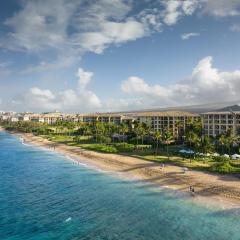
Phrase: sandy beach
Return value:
(211, 189)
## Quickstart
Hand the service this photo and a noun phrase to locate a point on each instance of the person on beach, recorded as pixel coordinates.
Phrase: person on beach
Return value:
(192, 191)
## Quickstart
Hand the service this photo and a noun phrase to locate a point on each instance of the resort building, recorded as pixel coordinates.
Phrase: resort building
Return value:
(52, 118)
(6, 116)
(216, 123)
(36, 117)
(175, 121)
(89, 118)
(106, 118)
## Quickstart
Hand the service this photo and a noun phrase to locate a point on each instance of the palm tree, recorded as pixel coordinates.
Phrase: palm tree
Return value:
(167, 137)
(207, 145)
(157, 135)
(87, 131)
(100, 129)
(193, 130)
(140, 132)
(70, 127)
(124, 130)
(221, 142)
(179, 124)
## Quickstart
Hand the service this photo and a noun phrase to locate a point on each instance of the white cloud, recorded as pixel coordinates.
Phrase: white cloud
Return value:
(78, 100)
(67, 29)
(206, 84)
(109, 33)
(221, 8)
(36, 98)
(186, 36)
(175, 9)
(84, 78)
(71, 28)
(144, 94)
(40, 24)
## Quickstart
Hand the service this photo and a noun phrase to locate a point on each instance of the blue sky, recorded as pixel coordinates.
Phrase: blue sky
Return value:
(111, 55)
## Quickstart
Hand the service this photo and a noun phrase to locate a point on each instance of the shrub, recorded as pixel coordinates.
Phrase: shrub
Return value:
(222, 167)
(104, 139)
(101, 148)
(125, 147)
(221, 159)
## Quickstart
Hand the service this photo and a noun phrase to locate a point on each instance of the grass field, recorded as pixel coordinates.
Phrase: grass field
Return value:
(146, 152)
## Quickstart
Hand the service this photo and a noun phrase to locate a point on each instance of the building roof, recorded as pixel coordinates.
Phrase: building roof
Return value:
(165, 114)
(221, 113)
(100, 115)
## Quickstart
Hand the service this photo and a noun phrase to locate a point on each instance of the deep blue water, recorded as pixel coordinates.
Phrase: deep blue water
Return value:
(40, 190)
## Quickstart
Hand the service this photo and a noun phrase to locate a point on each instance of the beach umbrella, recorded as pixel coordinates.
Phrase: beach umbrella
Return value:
(235, 156)
(182, 151)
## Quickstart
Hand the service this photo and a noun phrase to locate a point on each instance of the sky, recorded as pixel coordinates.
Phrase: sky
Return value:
(80, 56)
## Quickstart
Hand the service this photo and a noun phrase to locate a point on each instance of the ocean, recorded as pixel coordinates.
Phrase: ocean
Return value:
(45, 196)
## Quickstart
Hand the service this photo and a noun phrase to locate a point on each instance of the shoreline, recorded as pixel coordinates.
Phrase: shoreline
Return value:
(212, 190)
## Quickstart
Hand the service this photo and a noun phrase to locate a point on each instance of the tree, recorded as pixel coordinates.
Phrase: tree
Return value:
(221, 142)
(207, 144)
(124, 129)
(87, 131)
(157, 136)
(140, 132)
(194, 130)
(99, 130)
(179, 125)
(167, 137)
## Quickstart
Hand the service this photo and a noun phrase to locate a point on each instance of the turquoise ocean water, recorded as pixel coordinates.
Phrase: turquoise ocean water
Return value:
(45, 196)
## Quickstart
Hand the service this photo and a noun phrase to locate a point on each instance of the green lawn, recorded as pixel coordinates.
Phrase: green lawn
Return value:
(146, 152)
(60, 138)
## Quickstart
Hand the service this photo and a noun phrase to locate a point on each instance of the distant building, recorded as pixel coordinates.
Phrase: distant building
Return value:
(216, 123)
(52, 118)
(6, 116)
(175, 121)
(105, 118)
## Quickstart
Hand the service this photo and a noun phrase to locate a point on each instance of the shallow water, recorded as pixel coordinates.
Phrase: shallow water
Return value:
(44, 196)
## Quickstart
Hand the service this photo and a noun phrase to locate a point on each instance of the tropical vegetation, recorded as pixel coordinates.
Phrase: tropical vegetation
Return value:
(139, 140)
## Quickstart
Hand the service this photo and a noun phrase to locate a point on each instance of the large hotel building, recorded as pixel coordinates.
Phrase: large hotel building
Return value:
(175, 121)
(216, 123)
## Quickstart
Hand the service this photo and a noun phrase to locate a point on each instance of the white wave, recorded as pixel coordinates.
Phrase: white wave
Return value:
(68, 219)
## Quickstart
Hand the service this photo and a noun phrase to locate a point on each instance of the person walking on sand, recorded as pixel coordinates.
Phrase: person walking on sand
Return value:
(192, 191)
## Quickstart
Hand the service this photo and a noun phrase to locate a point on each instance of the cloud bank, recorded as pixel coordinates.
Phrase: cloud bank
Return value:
(68, 29)
(206, 84)
(71, 100)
